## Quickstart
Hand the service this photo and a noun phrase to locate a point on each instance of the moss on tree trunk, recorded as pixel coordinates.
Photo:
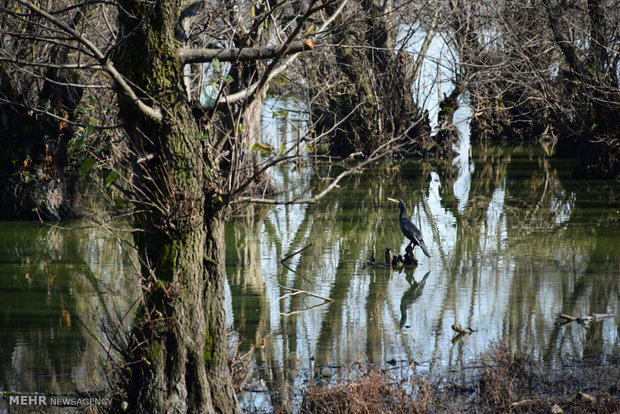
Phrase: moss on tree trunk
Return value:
(176, 360)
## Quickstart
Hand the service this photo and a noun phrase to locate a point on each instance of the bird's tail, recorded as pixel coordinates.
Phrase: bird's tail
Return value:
(424, 250)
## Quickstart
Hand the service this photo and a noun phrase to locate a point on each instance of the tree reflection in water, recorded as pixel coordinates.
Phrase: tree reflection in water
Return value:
(62, 292)
(514, 241)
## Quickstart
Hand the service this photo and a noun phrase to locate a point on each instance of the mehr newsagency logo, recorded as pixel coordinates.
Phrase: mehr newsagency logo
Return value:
(59, 400)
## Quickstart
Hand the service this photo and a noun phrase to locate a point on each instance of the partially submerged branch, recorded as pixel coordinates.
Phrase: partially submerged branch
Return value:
(294, 253)
(586, 320)
(295, 292)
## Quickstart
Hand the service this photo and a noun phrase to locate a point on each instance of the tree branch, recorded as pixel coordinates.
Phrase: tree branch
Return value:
(381, 151)
(285, 156)
(294, 253)
(241, 54)
(153, 113)
(224, 100)
(430, 34)
(77, 66)
(377, 154)
(554, 14)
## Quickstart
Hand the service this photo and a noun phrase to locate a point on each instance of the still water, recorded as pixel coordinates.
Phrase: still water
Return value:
(58, 289)
(514, 242)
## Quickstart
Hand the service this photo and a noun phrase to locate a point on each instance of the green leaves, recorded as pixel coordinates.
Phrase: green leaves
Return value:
(78, 143)
(111, 178)
(87, 166)
(202, 137)
(262, 147)
(216, 65)
(281, 112)
(83, 133)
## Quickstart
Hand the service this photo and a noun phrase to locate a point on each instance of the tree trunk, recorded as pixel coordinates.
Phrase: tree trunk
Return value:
(182, 362)
(38, 182)
(176, 360)
(372, 95)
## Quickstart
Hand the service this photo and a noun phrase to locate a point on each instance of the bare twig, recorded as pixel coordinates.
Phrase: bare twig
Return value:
(568, 317)
(381, 152)
(295, 292)
(293, 254)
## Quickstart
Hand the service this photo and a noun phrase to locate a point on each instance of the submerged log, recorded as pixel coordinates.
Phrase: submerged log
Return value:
(458, 328)
(586, 320)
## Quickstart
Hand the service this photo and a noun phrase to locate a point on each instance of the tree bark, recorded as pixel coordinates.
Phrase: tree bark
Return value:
(176, 360)
(241, 54)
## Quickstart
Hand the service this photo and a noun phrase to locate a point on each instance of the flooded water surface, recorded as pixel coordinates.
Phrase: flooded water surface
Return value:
(58, 288)
(514, 241)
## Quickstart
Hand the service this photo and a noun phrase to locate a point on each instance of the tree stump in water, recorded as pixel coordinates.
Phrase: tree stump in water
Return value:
(410, 259)
(392, 260)
(399, 260)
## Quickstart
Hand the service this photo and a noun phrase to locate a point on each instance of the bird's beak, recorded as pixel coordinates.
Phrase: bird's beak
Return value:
(393, 200)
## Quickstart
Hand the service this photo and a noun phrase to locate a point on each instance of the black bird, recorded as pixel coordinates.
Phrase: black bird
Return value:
(409, 229)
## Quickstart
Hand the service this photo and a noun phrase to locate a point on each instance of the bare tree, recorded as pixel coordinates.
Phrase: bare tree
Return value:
(184, 162)
(369, 76)
(543, 70)
(39, 177)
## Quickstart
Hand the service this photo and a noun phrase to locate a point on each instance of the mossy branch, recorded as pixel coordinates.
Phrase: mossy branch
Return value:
(241, 54)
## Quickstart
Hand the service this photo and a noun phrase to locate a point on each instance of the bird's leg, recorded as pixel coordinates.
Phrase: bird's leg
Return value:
(409, 249)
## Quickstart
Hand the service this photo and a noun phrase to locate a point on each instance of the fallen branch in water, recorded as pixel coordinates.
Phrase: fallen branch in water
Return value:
(585, 320)
(461, 332)
(294, 253)
(295, 292)
(303, 292)
(458, 328)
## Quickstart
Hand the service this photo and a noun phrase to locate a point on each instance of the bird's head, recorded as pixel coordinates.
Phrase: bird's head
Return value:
(400, 202)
